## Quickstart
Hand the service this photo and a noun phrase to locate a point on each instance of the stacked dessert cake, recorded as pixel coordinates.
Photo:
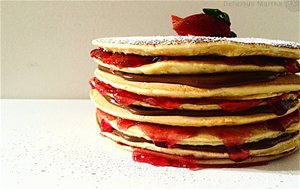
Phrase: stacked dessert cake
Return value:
(192, 101)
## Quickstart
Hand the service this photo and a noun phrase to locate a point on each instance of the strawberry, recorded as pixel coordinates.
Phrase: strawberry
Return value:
(211, 23)
(176, 20)
(122, 60)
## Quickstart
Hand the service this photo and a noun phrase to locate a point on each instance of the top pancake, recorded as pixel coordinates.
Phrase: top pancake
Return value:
(199, 46)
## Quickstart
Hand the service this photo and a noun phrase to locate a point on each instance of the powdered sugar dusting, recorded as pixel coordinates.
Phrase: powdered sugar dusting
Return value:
(278, 43)
(176, 40)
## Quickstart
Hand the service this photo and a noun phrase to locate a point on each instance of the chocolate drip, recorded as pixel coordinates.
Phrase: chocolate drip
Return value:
(262, 144)
(211, 80)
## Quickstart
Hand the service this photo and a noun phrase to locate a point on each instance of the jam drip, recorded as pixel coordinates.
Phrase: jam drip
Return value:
(190, 162)
(121, 60)
(162, 159)
(237, 154)
(279, 105)
(233, 138)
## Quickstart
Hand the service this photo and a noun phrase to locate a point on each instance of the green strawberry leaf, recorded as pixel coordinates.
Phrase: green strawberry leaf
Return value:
(232, 35)
(217, 13)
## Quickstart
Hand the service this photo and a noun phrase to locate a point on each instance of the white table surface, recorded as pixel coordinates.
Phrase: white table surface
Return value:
(56, 144)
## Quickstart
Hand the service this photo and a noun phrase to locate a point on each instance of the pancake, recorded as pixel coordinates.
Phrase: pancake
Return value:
(191, 67)
(279, 108)
(203, 163)
(101, 103)
(199, 46)
(281, 148)
(206, 136)
(185, 106)
(153, 106)
(187, 162)
(280, 85)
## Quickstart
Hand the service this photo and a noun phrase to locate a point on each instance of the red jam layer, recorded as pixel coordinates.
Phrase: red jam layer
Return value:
(232, 136)
(103, 120)
(190, 162)
(128, 98)
(162, 159)
(169, 135)
(122, 60)
(280, 104)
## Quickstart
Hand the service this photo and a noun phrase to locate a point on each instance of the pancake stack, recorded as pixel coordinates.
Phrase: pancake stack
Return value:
(192, 101)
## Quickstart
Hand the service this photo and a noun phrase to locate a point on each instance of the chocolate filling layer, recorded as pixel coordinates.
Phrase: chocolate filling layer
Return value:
(211, 80)
(140, 110)
(262, 144)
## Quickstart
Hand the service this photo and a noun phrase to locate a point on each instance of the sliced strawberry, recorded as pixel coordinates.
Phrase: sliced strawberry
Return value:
(120, 60)
(105, 126)
(124, 124)
(201, 25)
(103, 121)
(234, 106)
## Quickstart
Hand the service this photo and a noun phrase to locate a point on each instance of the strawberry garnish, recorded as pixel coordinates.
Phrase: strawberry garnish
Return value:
(212, 22)
(235, 106)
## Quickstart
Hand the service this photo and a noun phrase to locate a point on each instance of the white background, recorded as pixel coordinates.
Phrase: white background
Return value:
(45, 45)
